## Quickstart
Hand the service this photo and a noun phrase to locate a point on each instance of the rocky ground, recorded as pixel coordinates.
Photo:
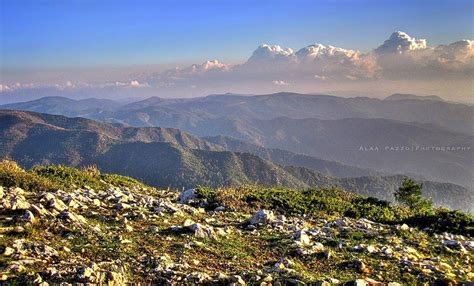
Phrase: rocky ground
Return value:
(137, 234)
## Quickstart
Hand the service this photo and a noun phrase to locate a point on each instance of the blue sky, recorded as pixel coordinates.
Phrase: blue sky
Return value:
(42, 34)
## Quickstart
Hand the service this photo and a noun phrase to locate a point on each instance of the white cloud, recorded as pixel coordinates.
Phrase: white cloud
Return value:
(455, 55)
(134, 83)
(4, 87)
(399, 58)
(404, 57)
(280, 82)
(401, 42)
(266, 52)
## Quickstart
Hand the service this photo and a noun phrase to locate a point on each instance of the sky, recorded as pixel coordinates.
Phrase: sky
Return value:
(90, 33)
(40, 38)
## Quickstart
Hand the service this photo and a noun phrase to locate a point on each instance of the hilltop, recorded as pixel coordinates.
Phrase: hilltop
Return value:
(60, 224)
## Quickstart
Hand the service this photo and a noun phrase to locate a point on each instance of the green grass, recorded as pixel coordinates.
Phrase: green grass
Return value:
(53, 177)
(322, 202)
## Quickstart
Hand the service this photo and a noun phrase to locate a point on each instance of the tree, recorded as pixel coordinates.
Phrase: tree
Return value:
(409, 194)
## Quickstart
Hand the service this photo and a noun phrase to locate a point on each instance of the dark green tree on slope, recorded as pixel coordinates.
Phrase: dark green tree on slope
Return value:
(409, 194)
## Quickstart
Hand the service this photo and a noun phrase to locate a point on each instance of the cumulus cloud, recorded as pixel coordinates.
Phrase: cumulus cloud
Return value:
(455, 55)
(400, 42)
(404, 57)
(399, 58)
(271, 53)
(335, 63)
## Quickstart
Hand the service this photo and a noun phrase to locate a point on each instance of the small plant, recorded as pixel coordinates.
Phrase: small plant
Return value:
(92, 170)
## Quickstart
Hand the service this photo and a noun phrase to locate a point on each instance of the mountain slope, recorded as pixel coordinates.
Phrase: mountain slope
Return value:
(376, 143)
(159, 156)
(287, 158)
(166, 157)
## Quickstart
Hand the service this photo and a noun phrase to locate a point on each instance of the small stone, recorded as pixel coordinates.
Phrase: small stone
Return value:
(187, 196)
(202, 231)
(387, 250)
(219, 209)
(53, 202)
(8, 251)
(357, 282)
(38, 210)
(370, 249)
(85, 274)
(237, 280)
(262, 217)
(318, 247)
(122, 206)
(19, 203)
(188, 222)
(302, 238)
(28, 217)
(404, 227)
(70, 216)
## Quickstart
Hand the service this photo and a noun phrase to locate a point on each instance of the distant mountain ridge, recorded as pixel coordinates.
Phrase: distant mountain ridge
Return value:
(169, 157)
(315, 125)
(452, 116)
(401, 96)
(287, 158)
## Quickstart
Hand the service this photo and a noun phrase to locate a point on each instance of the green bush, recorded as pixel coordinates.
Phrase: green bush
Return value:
(371, 208)
(68, 176)
(444, 220)
(12, 175)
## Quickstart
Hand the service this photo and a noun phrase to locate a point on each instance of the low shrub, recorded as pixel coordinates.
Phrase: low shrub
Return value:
(444, 220)
(12, 175)
(68, 176)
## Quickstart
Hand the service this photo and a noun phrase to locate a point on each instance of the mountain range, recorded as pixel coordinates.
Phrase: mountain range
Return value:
(362, 133)
(168, 157)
